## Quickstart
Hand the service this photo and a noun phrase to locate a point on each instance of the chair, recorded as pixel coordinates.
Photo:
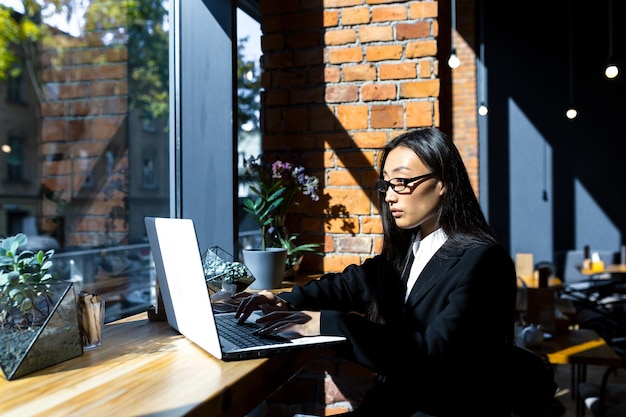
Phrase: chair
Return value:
(606, 399)
(598, 302)
(532, 384)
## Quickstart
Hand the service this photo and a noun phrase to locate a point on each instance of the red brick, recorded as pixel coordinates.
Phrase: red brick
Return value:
(398, 71)
(306, 95)
(359, 72)
(375, 33)
(389, 13)
(342, 93)
(340, 37)
(414, 30)
(343, 55)
(378, 92)
(387, 117)
(382, 53)
(355, 16)
(352, 117)
(419, 89)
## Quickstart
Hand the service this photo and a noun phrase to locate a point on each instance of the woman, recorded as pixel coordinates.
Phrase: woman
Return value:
(433, 314)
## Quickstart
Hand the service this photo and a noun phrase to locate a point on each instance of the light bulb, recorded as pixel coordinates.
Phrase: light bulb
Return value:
(483, 110)
(6, 148)
(454, 61)
(611, 71)
(571, 113)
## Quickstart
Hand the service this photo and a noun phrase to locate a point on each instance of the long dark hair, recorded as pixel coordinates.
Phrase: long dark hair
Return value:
(460, 214)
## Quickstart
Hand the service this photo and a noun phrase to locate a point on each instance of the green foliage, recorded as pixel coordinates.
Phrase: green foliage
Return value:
(137, 23)
(262, 209)
(295, 251)
(248, 89)
(148, 58)
(18, 32)
(10, 35)
(24, 277)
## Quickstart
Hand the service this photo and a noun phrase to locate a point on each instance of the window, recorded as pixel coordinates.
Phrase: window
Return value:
(104, 148)
(15, 88)
(15, 159)
(249, 135)
(149, 174)
(89, 185)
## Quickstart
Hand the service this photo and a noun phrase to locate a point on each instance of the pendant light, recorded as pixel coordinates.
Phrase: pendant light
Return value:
(571, 112)
(482, 68)
(453, 61)
(611, 70)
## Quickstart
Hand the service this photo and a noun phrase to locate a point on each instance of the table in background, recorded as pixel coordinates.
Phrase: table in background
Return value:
(608, 269)
(147, 368)
(578, 348)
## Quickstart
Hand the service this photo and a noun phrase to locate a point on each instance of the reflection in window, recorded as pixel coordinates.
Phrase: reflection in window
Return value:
(83, 152)
(149, 125)
(15, 88)
(15, 159)
(248, 106)
(149, 174)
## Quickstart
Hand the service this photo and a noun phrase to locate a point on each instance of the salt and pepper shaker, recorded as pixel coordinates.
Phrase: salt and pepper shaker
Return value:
(587, 258)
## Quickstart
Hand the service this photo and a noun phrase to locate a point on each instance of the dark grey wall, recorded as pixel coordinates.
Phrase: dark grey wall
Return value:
(554, 184)
(202, 122)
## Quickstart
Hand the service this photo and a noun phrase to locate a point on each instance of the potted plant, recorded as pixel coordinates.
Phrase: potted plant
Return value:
(262, 209)
(295, 254)
(267, 264)
(38, 314)
(280, 182)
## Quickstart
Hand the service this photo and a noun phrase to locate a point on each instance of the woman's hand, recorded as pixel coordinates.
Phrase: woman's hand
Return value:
(290, 324)
(266, 301)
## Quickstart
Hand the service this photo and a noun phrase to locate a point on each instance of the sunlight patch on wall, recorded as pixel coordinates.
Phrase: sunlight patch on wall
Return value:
(593, 226)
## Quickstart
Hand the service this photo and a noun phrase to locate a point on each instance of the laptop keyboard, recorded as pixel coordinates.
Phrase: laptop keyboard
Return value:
(240, 334)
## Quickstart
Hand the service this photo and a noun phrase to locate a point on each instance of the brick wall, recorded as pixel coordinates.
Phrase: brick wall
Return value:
(83, 143)
(341, 79)
(464, 107)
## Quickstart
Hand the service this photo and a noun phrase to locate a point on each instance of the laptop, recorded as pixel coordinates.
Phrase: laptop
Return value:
(187, 301)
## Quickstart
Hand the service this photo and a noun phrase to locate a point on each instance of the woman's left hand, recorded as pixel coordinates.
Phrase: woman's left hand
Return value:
(266, 301)
(290, 324)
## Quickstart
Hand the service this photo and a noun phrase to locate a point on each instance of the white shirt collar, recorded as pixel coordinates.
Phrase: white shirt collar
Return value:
(431, 243)
(424, 249)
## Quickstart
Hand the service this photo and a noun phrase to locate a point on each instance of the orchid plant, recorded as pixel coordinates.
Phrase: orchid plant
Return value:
(280, 183)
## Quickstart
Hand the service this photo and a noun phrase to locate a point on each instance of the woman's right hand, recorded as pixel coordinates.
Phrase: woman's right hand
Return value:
(264, 300)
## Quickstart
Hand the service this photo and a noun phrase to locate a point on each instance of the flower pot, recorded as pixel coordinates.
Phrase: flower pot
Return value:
(55, 340)
(267, 267)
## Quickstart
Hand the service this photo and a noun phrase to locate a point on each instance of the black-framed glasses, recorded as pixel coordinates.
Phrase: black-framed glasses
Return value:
(398, 184)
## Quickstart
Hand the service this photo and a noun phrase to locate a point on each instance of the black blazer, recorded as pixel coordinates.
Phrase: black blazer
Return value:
(434, 351)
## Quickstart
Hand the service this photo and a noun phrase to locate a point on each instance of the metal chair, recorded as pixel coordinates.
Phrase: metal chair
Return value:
(606, 399)
(532, 384)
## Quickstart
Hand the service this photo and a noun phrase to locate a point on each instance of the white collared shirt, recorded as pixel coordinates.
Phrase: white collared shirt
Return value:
(424, 249)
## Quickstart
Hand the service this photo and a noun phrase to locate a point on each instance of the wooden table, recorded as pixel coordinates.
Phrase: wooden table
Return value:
(608, 269)
(578, 348)
(146, 368)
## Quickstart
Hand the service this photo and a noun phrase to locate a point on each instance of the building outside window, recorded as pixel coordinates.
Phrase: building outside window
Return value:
(15, 88)
(94, 157)
(75, 180)
(15, 159)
